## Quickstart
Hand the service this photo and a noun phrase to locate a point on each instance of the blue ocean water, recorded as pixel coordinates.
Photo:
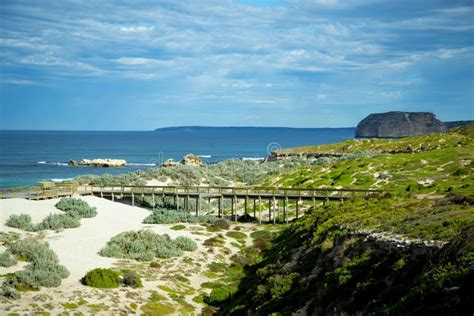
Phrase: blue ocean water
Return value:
(27, 157)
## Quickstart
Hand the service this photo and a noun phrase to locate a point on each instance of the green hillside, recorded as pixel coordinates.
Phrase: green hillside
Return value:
(410, 251)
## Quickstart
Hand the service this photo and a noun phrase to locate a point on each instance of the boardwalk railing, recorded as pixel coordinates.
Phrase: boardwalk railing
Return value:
(277, 197)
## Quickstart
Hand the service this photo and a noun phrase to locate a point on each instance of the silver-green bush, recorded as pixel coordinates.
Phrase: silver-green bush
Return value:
(43, 270)
(22, 221)
(74, 210)
(166, 216)
(7, 292)
(6, 259)
(58, 221)
(76, 207)
(185, 243)
(144, 245)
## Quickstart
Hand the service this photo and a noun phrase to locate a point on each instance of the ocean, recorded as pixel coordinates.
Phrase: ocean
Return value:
(27, 157)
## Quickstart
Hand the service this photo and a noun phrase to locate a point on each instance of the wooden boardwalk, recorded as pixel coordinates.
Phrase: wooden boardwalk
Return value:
(273, 199)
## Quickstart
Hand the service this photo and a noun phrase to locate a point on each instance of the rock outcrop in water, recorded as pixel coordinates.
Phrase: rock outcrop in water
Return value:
(191, 160)
(399, 124)
(188, 160)
(99, 162)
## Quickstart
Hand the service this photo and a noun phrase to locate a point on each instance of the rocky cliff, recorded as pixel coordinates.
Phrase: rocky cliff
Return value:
(399, 124)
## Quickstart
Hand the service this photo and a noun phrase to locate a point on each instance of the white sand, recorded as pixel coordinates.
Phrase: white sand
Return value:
(37, 210)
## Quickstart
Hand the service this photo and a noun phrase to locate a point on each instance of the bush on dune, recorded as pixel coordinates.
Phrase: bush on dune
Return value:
(166, 216)
(7, 292)
(43, 270)
(58, 221)
(6, 259)
(22, 221)
(76, 207)
(102, 278)
(186, 243)
(74, 210)
(144, 245)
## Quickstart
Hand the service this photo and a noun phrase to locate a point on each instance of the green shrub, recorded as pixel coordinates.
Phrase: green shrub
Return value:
(281, 284)
(76, 207)
(236, 235)
(6, 259)
(144, 245)
(166, 216)
(218, 295)
(44, 268)
(7, 292)
(101, 278)
(132, 279)
(58, 221)
(22, 221)
(186, 244)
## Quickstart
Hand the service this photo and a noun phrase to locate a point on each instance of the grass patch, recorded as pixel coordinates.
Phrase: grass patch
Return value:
(178, 227)
(157, 308)
(236, 235)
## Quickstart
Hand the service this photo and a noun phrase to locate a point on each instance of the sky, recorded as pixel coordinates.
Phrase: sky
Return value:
(140, 65)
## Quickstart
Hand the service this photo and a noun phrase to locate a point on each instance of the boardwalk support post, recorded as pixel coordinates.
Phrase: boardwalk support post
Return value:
(198, 205)
(219, 207)
(259, 210)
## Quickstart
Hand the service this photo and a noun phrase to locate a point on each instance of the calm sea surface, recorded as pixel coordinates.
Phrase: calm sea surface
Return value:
(27, 157)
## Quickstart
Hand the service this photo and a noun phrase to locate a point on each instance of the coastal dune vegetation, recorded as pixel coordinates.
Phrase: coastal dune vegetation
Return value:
(74, 210)
(43, 269)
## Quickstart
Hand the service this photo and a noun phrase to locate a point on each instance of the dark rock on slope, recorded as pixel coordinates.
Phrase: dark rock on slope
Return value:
(399, 124)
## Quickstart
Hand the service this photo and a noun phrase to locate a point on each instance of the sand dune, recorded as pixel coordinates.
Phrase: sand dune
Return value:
(78, 248)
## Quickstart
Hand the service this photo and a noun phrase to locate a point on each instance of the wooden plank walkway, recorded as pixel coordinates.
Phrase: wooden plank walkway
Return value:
(185, 196)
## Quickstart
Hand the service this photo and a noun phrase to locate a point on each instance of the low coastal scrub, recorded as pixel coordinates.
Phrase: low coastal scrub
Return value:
(22, 221)
(58, 221)
(74, 210)
(6, 259)
(223, 173)
(166, 216)
(43, 269)
(76, 207)
(102, 278)
(144, 245)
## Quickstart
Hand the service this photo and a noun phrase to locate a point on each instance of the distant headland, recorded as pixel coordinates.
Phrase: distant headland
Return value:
(397, 124)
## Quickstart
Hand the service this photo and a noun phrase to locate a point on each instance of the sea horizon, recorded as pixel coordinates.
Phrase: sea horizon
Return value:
(30, 156)
(171, 127)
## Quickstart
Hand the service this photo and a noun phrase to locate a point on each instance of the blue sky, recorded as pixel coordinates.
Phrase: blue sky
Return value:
(139, 65)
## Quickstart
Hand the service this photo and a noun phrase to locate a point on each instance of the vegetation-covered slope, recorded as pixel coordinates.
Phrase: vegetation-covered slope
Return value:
(408, 252)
